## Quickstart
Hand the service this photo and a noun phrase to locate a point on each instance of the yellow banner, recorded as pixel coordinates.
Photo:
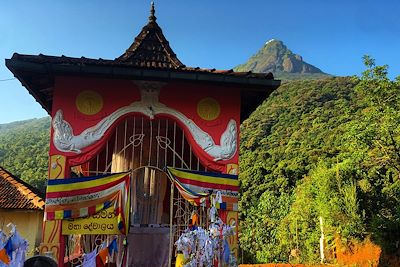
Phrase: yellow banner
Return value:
(104, 222)
(231, 219)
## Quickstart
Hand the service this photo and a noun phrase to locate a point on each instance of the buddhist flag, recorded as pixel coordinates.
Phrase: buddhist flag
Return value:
(195, 186)
(4, 257)
(85, 196)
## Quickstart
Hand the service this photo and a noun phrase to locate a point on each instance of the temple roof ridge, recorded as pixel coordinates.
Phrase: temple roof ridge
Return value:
(150, 48)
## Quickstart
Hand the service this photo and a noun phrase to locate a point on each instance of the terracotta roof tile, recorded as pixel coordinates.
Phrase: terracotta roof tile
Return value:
(16, 194)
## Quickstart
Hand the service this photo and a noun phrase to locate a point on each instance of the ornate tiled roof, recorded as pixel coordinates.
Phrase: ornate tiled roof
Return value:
(82, 62)
(151, 48)
(16, 194)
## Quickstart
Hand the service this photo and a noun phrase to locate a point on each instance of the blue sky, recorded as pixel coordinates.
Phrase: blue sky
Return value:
(331, 34)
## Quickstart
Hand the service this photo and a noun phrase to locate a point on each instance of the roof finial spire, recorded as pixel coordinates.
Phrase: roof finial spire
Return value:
(152, 18)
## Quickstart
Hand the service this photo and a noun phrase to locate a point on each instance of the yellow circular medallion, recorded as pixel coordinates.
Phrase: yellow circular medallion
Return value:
(89, 102)
(208, 109)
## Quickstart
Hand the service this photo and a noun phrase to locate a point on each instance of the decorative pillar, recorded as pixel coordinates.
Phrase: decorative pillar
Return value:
(52, 239)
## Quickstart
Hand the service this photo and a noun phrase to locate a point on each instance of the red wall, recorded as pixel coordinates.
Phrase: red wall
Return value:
(183, 97)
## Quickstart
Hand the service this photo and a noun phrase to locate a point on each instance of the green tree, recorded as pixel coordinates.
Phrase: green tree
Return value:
(326, 148)
(24, 149)
(284, 140)
(378, 135)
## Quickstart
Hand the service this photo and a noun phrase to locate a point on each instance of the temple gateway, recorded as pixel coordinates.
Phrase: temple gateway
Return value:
(143, 150)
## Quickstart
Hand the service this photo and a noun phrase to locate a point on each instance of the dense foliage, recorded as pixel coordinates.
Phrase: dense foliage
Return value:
(24, 147)
(323, 148)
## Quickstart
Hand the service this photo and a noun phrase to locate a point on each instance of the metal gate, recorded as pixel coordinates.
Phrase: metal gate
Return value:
(145, 147)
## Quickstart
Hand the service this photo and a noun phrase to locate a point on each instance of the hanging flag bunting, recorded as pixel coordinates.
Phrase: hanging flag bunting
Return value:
(195, 186)
(9, 247)
(80, 197)
(101, 258)
(113, 247)
(98, 257)
(14, 250)
(4, 256)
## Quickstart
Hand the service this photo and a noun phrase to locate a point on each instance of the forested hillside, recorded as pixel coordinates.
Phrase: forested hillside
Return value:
(323, 148)
(24, 147)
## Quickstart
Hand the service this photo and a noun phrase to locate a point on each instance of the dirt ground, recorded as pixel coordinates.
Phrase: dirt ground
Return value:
(281, 265)
(361, 254)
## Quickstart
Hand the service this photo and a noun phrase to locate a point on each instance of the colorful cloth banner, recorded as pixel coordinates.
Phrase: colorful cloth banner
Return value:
(14, 250)
(98, 257)
(195, 186)
(85, 196)
(4, 256)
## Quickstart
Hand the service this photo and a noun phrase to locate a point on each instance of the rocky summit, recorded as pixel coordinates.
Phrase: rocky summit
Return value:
(275, 57)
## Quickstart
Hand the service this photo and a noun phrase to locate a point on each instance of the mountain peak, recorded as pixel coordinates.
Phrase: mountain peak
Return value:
(273, 41)
(275, 57)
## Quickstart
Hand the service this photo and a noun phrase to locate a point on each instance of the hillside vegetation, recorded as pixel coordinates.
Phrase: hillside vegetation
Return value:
(323, 148)
(24, 147)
